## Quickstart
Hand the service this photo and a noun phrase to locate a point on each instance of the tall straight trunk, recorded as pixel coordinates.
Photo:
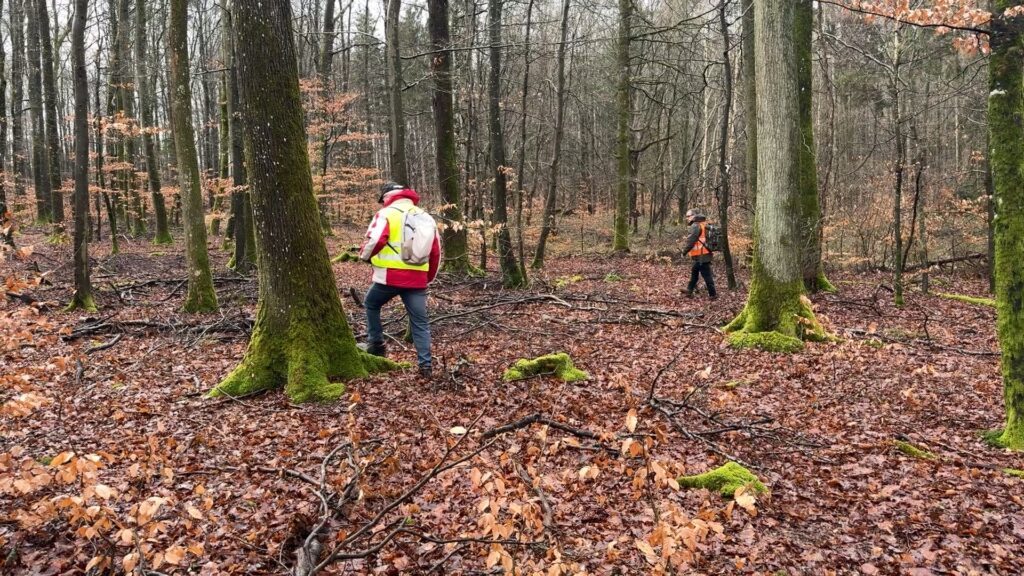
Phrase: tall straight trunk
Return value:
(19, 154)
(776, 317)
(549, 198)
(301, 339)
(513, 275)
(50, 100)
(244, 258)
(900, 138)
(327, 47)
(1006, 138)
(83, 288)
(3, 125)
(620, 241)
(40, 159)
(456, 244)
(399, 164)
(810, 206)
(520, 171)
(750, 99)
(126, 105)
(724, 198)
(201, 296)
(146, 98)
(101, 179)
(990, 216)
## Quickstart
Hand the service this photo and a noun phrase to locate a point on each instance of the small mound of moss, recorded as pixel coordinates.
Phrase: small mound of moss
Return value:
(1002, 438)
(968, 299)
(1014, 472)
(612, 277)
(767, 341)
(345, 257)
(559, 364)
(725, 480)
(913, 451)
(563, 281)
(874, 343)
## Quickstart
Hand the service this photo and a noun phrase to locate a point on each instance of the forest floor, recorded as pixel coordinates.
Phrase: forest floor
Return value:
(179, 483)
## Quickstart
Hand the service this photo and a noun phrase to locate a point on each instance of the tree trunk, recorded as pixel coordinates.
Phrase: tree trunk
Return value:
(990, 216)
(327, 47)
(19, 153)
(50, 99)
(146, 97)
(523, 116)
(550, 197)
(723, 148)
(101, 180)
(40, 160)
(201, 296)
(83, 289)
(620, 241)
(901, 161)
(399, 165)
(3, 127)
(454, 234)
(750, 99)
(301, 339)
(1006, 137)
(244, 258)
(776, 316)
(810, 206)
(513, 275)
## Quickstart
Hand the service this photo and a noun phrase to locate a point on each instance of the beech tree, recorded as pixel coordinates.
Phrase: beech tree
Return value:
(50, 102)
(454, 234)
(40, 159)
(776, 316)
(624, 109)
(146, 98)
(395, 84)
(201, 296)
(1006, 129)
(18, 154)
(301, 339)
(83, 288)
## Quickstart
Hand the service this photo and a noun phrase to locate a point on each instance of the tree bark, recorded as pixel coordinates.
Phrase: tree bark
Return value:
(900, 138)
(3, 127)
(513, 275)
(724, 193)
(40, 160)
(301, 339)
(750, 99)
(83, 288)
(327, 47)
(454, 234)
(146, 98)
(19, 160)
(1006, 138)
(399, 164)
(201, 296)
(244, 258)
(550, 197)
(776, 317)
(620, 240)
(50, 100)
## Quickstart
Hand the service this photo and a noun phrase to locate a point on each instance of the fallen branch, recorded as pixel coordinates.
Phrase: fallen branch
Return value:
(545, 506)
(100, 347)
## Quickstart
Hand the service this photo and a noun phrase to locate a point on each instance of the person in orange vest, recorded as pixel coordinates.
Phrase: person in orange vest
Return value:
(394, 277)
(696, 248)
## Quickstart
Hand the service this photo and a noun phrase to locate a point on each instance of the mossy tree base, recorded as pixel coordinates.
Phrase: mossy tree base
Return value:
(1011, 439)
(781, 327)
(559, 364)
(725, 480)
(200, 300)
(85, 303)
(163, 238)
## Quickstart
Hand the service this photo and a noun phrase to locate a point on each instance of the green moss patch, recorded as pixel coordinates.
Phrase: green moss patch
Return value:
(1014, 472)
(767, 341)
(1004, 438)
(725, 480)
(913, 451)
(559, 364)
(346, 257)
(968, 299)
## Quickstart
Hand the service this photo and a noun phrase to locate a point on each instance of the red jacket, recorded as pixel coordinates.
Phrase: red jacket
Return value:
(377, 238)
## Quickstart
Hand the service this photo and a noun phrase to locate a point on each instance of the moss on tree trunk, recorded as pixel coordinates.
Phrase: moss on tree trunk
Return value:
(201, 296)
(301, 339)
(777, 317)
(1006, 130)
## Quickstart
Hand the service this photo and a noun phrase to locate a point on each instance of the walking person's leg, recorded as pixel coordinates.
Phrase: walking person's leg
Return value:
(694, 272)
(709, 279)
(416, 306)
(376, 297)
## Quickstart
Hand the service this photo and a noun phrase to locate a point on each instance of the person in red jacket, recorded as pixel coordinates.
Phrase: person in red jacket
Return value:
(393, 277)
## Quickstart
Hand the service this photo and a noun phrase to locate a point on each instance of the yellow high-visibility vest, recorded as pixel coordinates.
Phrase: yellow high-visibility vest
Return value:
(390, 256)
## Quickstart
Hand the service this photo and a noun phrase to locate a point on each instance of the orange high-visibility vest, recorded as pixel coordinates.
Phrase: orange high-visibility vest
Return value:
(701, 247)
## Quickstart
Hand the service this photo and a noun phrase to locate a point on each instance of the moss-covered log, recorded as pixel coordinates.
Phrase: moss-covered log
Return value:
(725, 480)
(301, 339)
(559, 364)
(1006, 136)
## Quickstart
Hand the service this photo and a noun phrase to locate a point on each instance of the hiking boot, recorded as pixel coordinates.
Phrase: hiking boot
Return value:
(688, 294)
(426, 372)
(713, 297)
(375, 348)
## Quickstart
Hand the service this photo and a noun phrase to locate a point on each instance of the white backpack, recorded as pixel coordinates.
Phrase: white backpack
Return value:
(418, 232)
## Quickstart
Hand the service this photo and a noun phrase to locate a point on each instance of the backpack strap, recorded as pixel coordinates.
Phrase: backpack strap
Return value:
(704, 233)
